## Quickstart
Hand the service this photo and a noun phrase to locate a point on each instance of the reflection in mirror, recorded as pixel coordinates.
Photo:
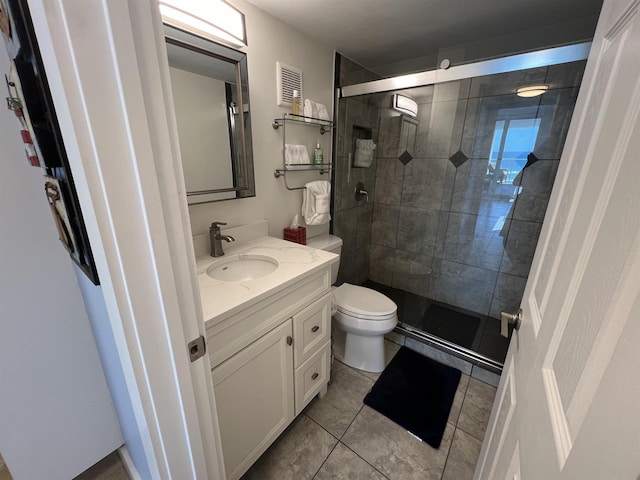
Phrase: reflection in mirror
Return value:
(210, 89)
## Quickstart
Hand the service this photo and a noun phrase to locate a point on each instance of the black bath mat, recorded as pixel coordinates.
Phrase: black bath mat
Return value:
(416, 393)
(456, 327)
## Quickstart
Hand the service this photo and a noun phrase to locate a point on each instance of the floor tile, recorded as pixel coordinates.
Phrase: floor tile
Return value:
(476, 408)
(344, 464)
(4, 473)
(485, 376)
(109, 468)
(296, 455)
(390, 350)
(463, 457)
(392, 450)
(458, 399)
(337, 409)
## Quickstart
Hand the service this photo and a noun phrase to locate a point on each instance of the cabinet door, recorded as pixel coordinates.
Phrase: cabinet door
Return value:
(254, 398)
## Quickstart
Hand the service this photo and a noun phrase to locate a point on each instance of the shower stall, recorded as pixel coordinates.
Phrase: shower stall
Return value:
(457, 191)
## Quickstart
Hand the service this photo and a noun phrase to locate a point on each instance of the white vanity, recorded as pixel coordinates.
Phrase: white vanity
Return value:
(268, 338)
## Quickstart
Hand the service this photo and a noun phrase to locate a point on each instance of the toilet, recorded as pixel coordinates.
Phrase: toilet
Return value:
(361, 317)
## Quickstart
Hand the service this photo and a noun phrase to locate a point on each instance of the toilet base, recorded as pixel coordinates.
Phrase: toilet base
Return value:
(361, 352)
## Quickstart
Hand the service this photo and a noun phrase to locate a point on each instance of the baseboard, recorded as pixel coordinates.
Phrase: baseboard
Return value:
(128, 463)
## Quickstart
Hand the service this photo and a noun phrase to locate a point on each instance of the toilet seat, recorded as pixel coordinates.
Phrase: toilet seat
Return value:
(364, 303)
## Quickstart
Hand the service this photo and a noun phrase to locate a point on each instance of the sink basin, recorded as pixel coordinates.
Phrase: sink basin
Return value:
(238, 268)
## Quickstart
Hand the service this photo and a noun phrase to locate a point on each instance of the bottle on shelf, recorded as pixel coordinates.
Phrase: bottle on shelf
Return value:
(296, 103)
(318, 158)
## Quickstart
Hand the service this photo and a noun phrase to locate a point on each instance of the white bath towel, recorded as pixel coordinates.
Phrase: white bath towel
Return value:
(296, 156)
(316, 202)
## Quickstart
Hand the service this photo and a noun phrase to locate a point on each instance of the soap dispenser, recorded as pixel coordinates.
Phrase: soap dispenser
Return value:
(318, 158)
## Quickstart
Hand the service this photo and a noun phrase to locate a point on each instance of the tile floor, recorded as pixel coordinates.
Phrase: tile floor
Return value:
(339, 437)
(109, 468)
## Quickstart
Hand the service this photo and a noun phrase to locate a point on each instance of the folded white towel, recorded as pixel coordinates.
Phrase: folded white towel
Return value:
(316, 202)
(310, 110)
(317, 111)
(323, 113)
(364, 153)
(295, 155)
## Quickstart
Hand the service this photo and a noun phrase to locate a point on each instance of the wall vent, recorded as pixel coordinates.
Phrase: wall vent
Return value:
(288, 80)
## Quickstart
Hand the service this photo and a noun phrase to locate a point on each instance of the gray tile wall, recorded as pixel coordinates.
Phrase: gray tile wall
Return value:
(352, 219)
(452, 234)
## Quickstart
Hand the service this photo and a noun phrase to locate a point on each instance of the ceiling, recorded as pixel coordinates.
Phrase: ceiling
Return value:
(376, 33)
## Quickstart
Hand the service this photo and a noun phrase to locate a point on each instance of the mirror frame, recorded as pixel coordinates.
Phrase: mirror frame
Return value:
(185, 39)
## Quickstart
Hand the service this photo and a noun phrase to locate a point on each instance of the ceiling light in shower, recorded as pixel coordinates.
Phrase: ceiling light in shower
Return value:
(404, 104)
(214, 19)
(532, 91)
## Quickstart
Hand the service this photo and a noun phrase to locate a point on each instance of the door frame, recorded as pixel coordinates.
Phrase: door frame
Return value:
(108, 73)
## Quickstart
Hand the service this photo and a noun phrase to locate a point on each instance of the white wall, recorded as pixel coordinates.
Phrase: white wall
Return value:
(270, 40)
(55, 410)
(108, 352)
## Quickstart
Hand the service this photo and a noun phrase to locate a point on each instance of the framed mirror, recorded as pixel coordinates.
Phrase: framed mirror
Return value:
(210, 89)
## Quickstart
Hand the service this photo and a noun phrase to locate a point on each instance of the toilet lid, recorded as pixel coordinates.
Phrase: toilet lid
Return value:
(363, 301)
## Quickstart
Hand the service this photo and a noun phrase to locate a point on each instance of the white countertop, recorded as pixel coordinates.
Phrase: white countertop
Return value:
(222, 299)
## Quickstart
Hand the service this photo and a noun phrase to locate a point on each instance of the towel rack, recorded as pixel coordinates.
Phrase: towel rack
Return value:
(324, 126)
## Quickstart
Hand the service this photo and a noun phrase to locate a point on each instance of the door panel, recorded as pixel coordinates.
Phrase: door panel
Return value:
(570, 365)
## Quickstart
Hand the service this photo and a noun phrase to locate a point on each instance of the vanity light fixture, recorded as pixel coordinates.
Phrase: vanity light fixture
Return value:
(405, 105)
(532, 91)
(214, 19)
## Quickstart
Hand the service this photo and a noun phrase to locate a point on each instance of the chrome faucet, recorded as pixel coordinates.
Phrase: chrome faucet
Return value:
(215, 238)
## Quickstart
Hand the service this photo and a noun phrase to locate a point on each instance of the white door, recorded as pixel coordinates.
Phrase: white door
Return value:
(568, 404)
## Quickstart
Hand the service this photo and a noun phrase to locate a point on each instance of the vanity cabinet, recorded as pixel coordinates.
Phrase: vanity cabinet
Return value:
(273, 359)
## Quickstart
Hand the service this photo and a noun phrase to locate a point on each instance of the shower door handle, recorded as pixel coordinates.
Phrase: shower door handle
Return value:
(507, 318)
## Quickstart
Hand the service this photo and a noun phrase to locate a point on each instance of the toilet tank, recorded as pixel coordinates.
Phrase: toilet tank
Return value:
(328, 243)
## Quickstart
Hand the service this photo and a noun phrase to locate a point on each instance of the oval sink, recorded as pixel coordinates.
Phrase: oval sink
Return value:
(238, 268)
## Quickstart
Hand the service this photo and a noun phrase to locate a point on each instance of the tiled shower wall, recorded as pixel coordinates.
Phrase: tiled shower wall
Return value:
(437, 228)
(352, 219)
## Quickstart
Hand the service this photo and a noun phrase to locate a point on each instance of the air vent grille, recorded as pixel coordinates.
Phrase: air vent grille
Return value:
(288, 80)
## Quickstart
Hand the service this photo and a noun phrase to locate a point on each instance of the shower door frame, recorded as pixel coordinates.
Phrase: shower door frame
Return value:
(524, 61)
(512, 63)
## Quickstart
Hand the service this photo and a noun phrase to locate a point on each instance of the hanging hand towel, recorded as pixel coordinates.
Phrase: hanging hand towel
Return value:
(316, 202)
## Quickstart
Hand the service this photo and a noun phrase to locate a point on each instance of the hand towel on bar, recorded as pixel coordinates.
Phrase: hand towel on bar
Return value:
(316, 202)
(296, 156)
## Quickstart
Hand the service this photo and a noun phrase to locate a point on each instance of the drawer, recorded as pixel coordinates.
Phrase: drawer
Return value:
(311, 329)
(312, 376)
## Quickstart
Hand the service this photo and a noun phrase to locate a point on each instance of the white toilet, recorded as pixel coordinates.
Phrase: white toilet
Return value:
(362, 318)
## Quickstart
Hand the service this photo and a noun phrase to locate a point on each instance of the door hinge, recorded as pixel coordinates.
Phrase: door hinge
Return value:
(196, 348)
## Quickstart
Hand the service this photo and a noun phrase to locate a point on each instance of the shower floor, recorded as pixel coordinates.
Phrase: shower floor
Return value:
(470, 330)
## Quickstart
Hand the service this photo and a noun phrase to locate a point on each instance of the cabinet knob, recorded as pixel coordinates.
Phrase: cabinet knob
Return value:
(289, 340)
(315, 328)
(314, 376)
